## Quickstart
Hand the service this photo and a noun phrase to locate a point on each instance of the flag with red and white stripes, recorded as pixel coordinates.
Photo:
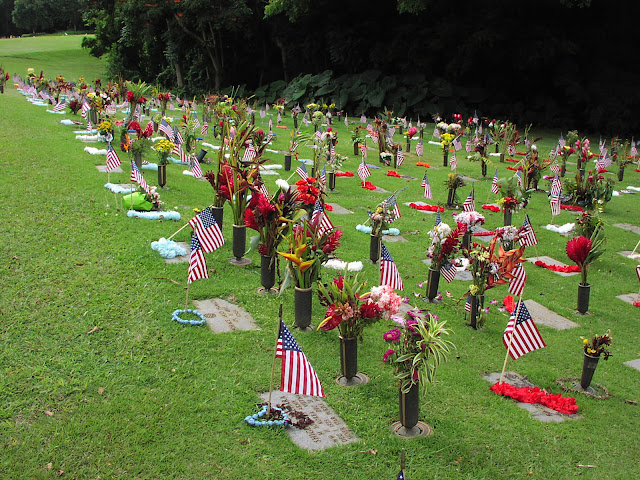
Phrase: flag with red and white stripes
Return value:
(194, 165)
(495, 188)
(197, 263)
(420, 149)
(363, 150)
(85, 109)
(389, 274)
(436, 132)
(448, 272)
(427, 187)
(205, 129)
(526, 234)
(302, 171)
(469, 204)
(137, 177)
(392, 201)
(320, 220)
(208, 231)
(113, 161)
(457, 144)
(297, 375)
(249, 154)
(165, 128)
(400, 157)
(60, 106)
(516, 285)
(89, 126)
(638, 271)
(363, 118)
(454, 161)
(467, 304)
(521, 335)
(363, 171)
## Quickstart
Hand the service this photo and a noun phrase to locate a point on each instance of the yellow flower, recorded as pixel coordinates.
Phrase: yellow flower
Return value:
(585, 341)
(473, 289)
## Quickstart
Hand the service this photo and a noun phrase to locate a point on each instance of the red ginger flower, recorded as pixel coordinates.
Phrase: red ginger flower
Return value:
(129, 96)
(578, 249)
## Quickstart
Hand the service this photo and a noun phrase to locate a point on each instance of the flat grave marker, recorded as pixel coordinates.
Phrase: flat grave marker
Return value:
(628, 226)
(394, 238)
(103, 169)
(338, 210)
(542, 315)
(630, 254)
(223, 316)
(630, 297)
(180, 258)
(464, 275)
(327, 429)
(633, 364)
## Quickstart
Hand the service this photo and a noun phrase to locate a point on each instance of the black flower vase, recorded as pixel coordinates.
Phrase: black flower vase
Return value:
(253, 119)
(583, 298)
(563, 170)
(295, 122)
(93, 115)
(408, 149)
(348, 357)
(502, 158)
(201, 155)
(155, 126)
(507, 216)
(451, 197)
(409, 406)
(1, 88)
(395, 159)
(374, 248)
(466, 238)
(433, 283)
(588, 369)
(303, 298)
(620, 173)
(484, 168)
(356, 149)
(239, 243)
(477, 304)
(218, 215)
(137, 157)
(332, 180)
(162, 174)
(497, 148)
(287, 162)
(445, 159)
(267, 271)
(400, 130)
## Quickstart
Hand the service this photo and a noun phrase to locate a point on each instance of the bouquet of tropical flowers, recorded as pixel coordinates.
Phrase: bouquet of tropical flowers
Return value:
(163, 99)
(139, 145)
(512, 195)
(105, 127)
(308, 249)
(444, 244)
(309, 192)
(4, 76)
(417, 347)
(137, 94)
(351, 310)
(587, 223)
(584, 251)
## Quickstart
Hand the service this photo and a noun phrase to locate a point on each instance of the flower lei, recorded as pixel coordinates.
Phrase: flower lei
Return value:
(176, 317)
(558, 268)
(253, 420)
(557, 402)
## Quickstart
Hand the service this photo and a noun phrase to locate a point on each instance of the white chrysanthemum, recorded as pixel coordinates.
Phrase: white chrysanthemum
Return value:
(282, 183)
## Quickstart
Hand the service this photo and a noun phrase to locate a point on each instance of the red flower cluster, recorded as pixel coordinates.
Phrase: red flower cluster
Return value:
(258, 212)
(566, 405)
(332, 242)
(370, 310)
(557, 268)
(308, 191)
(578, 249)
(129, 96)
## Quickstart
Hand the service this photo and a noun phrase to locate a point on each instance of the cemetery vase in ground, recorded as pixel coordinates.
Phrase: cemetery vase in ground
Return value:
(466, 239)
(502, 158)
(497, 148)
(162, 175)
(348, 357)
(507, 216)
(332, 180)
(287, 162)
(408, 149)
(445, 159)
(588, 369)
(93, 115)
(218, 215)
(267, 271)
(563, 170)
(583, 297)
(138, 159)
(409, 406)
(303, 298)
(155, 127)
(239, 241)
(484, 168)
(395, 159)
(477, 304)
(295, 122)
(1, 88)
(451, 197)
(433, 283)
(201, 155)
(400, 130)
(356, 149)
(620, 173)
(374, 248)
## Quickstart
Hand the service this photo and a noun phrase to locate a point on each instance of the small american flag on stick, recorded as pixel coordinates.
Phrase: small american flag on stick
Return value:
(526, 337)
(427, 187)
(389, 274)
(208, 231)
(448, 272)
(363, 171)
(197, 262)
(297, 375)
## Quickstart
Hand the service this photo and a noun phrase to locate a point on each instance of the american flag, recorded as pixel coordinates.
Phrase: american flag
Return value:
(634, 151)
(320, 219)
(165, 128)
(561, 141)
(467, 304)
(297, 375)
(197, 263)
(457, 144)
(363, 118)
(196, 120)
(262, 113)
(270, 123)
(436, 132)
(519, 177)
(363, 150)
(249, 154)
(208, 231)
(468, 146)
(263, 188)
(555, 205)
(454, 161)
(205, 129)
(389, 274)
(194, 165)
(346, 120)
(495, 188)
(363, 171)
(60, 106)
(448, 272)
(85, 109)
(469, 204)
(516, 285)
(438, 219)
(392, 201)
(113, 161)
(400, 157)
(177, 150)
(556, 186)
(638, 271)
(177, 136)
(526, 337)
(555, 168)
(279, 117)
(526, 234)
(89, 127)
(137, 177)
(512, 150)
(302, 171)
(427, 187)
(553, 154)
(420, 149)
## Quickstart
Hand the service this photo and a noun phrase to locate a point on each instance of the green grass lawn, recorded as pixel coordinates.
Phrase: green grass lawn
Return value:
(144, 397)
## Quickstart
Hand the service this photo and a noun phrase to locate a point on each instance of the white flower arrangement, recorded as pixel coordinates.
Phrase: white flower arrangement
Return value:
(471, 219)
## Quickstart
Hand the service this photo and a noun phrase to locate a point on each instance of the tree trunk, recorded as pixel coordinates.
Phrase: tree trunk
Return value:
(283, 57)
(179, 79)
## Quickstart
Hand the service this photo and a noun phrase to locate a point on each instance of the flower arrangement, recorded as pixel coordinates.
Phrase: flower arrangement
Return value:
(584, 251)
(587, 223)
(380, 218)
(417, 347)
(445, 141)
(105, 128)
(163, 99)
(317, 119)
(309, 192)
(597, 345)
(513, 197)
(139, 145)
(350, 310)
(335, 161)
(533, 166)
(358, 135)
(507, 235)
(272, 217)
(137, 94)
(410, 133)
(470, 219)
(382, 134)
(593, 191)
(454, 181)
(444, 244)
(164, 147)
(4, 76)
(308, 249)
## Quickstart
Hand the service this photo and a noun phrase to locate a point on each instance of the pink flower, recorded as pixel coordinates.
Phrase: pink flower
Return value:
(386, 355)
(392, 335)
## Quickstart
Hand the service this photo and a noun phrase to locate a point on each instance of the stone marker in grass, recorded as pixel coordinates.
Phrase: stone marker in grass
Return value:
(628, 226)
(223, 316)
(180, 258)
(103, 169)
(633, 363)
(338, 210)
(542, 315)
(630, 297)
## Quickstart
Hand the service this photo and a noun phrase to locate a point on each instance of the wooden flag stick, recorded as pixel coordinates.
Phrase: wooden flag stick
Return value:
(513, 330)
(273, 365)
(636, 247)
(183, 227)
(402, 459)
(186, 300)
